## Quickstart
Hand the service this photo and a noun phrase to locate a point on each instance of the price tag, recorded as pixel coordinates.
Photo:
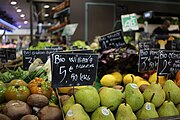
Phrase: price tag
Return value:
(129, 22)
(70, 69)
(11, 53)
(148, 60)
(3, 55)
(145, 44)
(112, 40)
(168, 63)
(30, 55)
(60, 48)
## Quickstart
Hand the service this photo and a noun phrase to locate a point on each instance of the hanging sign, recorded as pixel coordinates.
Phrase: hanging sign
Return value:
(129, 22)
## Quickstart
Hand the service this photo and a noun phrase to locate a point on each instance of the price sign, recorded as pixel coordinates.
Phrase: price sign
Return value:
(148, 60)
(143, 60)
(30, 55)
(145, 44)
(176, 45)
(70, 69)
(11, 53)
(3, 55)
(154, 56)
(60, 48)
(129, 22)
(168, 63)
(112, 40)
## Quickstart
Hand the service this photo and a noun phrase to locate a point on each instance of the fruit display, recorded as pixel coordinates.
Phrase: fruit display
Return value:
(120, 92)
(109, 103)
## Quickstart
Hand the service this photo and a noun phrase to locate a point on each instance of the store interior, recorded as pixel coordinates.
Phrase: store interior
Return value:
(89, 59)
(36, 20)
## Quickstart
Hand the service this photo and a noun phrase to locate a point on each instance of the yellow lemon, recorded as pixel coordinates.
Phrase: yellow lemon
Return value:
(118, 77)
(108, 80)
(66, 89)
(137, 79)
(128, 78)
(161, 79)
(142, 82)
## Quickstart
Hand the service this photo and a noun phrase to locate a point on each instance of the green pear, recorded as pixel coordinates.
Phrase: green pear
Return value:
(133, 96)
(68, 104)
(111, 98)
(102, 113)
(174, 90)
(147, 111)
(159, 97)
(88, 97)
(125, 112)
(168, 109)
(178, 107)
(76, 112)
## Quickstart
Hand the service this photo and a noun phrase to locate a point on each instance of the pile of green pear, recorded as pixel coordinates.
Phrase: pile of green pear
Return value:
(155, 101)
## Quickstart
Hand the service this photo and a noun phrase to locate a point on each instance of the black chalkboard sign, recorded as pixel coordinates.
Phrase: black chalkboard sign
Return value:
(30, 55)
(148, 60)
(11, 53)
(168, 63)
(175, 44)
(145, 44)
(3, 55)
(112, 40)
(70, 69)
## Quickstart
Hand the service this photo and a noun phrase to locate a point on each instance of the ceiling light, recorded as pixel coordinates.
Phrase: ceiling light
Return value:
(18, 10)
(46, 15)
(13, 2)
(22, 15)
(19, 26)
(46, 6)
(25, 22)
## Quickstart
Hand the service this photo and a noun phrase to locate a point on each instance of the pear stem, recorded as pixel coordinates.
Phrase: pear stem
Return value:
(152, 97)
(124, 101)
(169, 97)
(74, 96)
(109, 106)
(157, 81)
(132, 78)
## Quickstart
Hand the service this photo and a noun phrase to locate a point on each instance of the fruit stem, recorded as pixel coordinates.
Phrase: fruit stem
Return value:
(124, 101)
(132, 78)
(169, 97)
(157, 81)
(152, 97)
(74, 96)
(39, 84)
(109, 106)
(16, 86)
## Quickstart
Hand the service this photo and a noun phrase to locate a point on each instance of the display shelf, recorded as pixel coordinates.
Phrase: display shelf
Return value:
(61, 12)
(58, 28)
